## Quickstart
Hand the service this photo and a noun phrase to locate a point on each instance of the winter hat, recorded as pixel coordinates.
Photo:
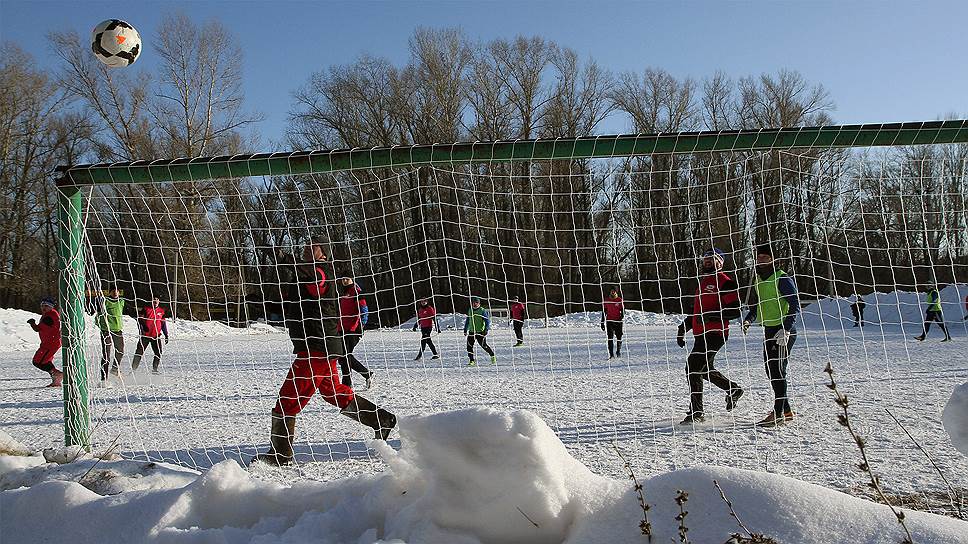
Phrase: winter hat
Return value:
(475, 299)
(48, 301)
(764, 249)
(717, 255)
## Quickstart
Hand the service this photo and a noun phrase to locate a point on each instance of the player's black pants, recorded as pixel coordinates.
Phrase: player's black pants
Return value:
(155, 344)
(519, 330)
(349, 361)
(699, 367)
(935, 317)
(111, 340)
(614, 329)
(776, 357)
(426, 342)
(480, 339)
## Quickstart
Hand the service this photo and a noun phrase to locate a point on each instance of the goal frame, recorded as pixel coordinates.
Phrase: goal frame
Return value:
(72, 180)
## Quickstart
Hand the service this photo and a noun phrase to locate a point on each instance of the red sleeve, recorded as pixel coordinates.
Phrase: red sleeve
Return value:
(318, 287)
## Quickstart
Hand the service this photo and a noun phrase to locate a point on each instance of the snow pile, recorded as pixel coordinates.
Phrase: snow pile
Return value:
(955, 418)
(884, 310)
(9, 446)
(16, 334)
(470, 476)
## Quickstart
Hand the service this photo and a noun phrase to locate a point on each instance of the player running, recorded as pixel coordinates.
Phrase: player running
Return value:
(427, 322)
(476, 327)
(715, 304)
(353, 315)
(50, 340)
(933, 314)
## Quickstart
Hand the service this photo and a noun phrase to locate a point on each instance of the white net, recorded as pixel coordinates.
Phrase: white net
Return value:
(888, 226)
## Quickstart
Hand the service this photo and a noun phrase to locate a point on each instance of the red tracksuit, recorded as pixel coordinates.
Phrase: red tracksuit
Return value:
(614, 308)
(50, 340)
(716, 292)
(425, 316)
(517, 311)
(153, 322)
(312, 317)
(349, 309)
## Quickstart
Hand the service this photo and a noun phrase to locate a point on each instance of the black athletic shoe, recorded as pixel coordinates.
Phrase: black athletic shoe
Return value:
(693, 418)
(731, 399)
(919, 338)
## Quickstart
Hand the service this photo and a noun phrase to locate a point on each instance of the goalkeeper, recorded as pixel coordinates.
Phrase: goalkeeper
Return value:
(312, 317)
(776, 308)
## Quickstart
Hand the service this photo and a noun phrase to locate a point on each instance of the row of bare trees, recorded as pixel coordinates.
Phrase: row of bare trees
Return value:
(551, 231)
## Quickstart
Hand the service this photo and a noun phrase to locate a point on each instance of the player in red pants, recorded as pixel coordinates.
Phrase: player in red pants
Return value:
(50, 340)
(312, 315)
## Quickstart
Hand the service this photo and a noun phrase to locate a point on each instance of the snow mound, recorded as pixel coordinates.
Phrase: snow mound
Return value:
(573, 320)
(955, 418)
(885, 310)
(9, 446)
(472, 476)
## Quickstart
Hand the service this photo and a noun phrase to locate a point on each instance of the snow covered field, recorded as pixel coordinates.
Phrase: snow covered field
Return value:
(213, 399)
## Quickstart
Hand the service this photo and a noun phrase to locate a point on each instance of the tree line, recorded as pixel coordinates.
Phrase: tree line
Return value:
(553, 232)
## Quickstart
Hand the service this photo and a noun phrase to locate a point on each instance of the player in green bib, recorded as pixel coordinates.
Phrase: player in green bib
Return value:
(933, 314)
(476, 327)
(776, 308)
(110, 321)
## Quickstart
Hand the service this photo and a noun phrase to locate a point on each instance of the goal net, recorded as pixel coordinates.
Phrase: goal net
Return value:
(846, 211)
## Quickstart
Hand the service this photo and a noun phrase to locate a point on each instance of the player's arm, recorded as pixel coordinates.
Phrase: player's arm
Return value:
(788, 290)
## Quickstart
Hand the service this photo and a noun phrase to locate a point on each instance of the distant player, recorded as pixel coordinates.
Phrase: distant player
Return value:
(476, 326)
(110, 322)
(427, 323)
(353, 315)
(152, 325)
(518, 314)
(776, 308)
(857, 309)
(312, 317)
(50, 340)
(933, 314)
(613, 316)
(715, 304)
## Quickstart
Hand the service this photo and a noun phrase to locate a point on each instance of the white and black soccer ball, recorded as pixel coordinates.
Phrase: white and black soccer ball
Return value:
(116, 43)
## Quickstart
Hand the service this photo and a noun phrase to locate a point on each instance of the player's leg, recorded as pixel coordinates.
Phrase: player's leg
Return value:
(295, 392)
(156, 349)
(695, 366)
(610, 333)
(470, 349)
(139, 351)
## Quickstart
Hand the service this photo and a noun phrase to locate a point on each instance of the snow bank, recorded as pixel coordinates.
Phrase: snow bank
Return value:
(471, 476)
(884, 310)
(955, 418)
(16, 334)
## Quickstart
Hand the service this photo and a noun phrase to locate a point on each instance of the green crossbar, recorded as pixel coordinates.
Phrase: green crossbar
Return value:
(628, 145)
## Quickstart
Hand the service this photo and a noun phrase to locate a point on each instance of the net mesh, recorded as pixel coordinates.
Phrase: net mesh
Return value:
(557, 234)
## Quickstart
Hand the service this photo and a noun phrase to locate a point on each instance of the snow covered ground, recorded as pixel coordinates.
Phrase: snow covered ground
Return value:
(213, 399)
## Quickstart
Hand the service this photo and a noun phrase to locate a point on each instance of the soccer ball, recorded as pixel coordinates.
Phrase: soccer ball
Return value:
(116, 43)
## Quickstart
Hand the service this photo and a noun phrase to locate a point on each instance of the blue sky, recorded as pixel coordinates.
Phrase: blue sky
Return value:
(881, 61)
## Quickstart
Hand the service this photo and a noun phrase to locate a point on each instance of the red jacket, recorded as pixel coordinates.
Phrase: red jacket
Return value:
(717, 300)
(425, 316)
(153, 322)
(350, 304)
(49, 329)
(517, 311)
(614, 309)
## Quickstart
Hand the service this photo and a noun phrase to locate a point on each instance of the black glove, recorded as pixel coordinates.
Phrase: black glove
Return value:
(681, 336)
(166, 339)
(603, 325)
(31, 321)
